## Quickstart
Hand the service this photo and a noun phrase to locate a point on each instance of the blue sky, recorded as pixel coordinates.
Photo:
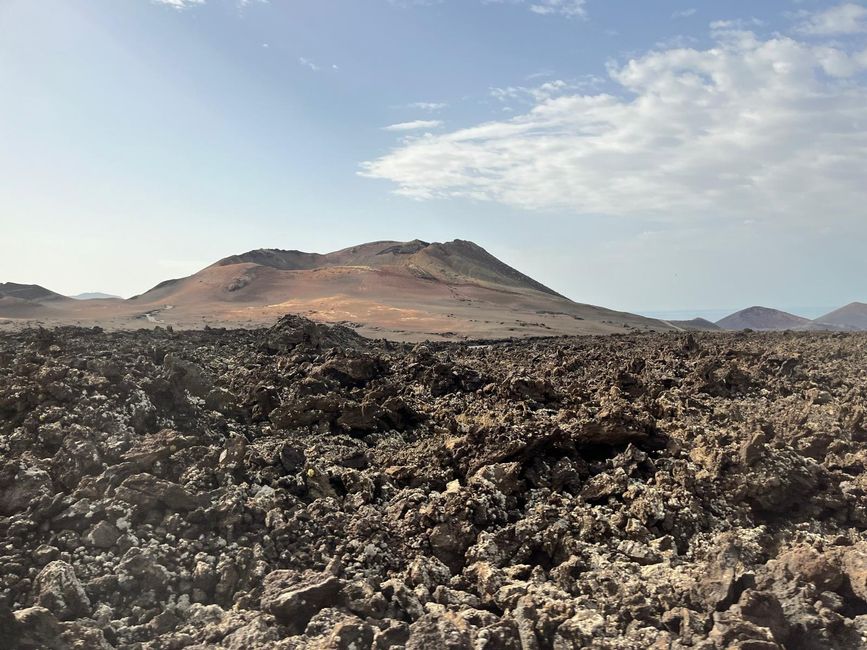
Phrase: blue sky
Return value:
(644, 156)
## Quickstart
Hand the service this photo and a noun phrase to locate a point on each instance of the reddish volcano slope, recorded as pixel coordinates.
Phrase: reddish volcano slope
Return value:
(401, 290)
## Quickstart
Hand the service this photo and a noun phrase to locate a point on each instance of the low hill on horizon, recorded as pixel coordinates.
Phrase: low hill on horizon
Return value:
(762, 319)
(852, 317)
(95, 295)
(696, 325)
(32, 292)
(401, 290)
(28, 301)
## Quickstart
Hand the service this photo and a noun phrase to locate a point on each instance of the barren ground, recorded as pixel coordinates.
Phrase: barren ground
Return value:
(301, 487)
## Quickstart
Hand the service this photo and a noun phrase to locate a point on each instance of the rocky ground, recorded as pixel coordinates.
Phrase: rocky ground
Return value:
(300, 487)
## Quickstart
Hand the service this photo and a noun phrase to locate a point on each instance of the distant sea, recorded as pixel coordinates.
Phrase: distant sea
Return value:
(714, 315)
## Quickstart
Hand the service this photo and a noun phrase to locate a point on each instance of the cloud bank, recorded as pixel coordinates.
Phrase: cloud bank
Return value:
(847, 18)
(748, 128)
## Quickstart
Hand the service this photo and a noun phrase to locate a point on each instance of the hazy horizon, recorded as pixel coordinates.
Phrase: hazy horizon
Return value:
(714, 315)
(145, 140)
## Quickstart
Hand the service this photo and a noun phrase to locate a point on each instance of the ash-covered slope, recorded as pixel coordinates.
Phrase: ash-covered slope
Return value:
(762, 319)
(303, 487)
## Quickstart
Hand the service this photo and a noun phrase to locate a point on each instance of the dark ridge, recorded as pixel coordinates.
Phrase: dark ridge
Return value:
(27, 291)
(460, 248)
(291, 260)
(409, 248)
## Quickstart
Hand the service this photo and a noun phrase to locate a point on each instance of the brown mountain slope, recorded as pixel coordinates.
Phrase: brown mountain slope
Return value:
(30, 292)
(762, 319)
(852, 317)
(400, 290)
(456, 261)
(28, 301)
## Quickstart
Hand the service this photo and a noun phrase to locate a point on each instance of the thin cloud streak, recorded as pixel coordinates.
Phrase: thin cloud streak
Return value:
(415, 125)
(428, 106)
(567, 8)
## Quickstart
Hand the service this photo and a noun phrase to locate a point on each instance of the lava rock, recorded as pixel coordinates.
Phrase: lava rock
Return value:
(59, 591)
(293, 598)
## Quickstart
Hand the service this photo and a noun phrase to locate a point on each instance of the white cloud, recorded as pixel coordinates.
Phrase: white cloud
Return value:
(312, 65)
(676, 42)
(180, 4)
(414, 3)
(569, 8)
(428, 106)
(539, 93)
(307, 63)
(685, 13)
(186, 4)
(847, 18)
(739, 24)
(545, 91)
(415, 125)
(748, 127)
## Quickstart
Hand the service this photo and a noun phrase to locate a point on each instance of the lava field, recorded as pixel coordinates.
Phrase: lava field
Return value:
(303, 487)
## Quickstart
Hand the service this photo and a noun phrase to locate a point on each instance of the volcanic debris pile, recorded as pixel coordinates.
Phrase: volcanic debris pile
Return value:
(301, 487)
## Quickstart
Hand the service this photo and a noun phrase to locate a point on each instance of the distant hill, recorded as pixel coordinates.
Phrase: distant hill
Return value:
(696, 325)
(411, 290)
(32, 292)
(852, 317)
(762, 319)
(28, 301)
(94, 295)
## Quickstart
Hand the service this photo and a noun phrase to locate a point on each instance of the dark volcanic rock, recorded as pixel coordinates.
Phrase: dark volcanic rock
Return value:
(149, 492)
(59, 591)
(37, 629)
(20, 485)
(302, 487)
(294, 598)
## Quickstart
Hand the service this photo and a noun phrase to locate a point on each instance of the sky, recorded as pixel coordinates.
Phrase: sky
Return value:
(666, 157)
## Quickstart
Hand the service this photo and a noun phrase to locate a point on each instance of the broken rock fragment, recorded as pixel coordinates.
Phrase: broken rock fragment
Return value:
(294, 597)
(59, 591)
